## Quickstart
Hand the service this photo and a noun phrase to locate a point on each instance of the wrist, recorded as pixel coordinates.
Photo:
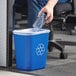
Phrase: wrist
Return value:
(51, 3)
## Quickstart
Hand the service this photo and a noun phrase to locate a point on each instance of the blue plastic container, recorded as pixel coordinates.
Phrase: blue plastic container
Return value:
(31, 48)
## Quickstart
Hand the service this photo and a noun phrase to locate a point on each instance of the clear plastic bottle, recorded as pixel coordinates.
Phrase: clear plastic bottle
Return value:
(38, 24)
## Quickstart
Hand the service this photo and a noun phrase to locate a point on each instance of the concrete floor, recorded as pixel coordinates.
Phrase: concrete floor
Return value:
(7, 73)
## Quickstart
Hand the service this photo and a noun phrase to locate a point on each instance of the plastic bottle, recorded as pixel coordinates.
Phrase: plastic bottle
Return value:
(38, 24)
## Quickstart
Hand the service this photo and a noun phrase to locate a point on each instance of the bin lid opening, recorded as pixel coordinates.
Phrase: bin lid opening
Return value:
(30, 31)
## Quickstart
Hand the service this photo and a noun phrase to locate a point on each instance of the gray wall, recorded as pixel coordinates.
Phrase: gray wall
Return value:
(3, 28)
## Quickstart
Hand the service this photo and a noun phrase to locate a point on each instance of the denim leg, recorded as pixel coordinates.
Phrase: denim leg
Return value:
(34, 7)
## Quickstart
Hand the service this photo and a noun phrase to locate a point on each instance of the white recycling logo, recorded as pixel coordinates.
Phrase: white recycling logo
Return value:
(40, 49)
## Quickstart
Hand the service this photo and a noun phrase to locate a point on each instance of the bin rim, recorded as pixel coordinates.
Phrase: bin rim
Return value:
(30, 31)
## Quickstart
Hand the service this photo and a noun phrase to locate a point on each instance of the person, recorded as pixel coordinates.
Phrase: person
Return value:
(37, 7)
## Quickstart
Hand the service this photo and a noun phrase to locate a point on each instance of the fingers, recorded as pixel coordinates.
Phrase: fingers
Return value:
(49, 19)
(49, 14)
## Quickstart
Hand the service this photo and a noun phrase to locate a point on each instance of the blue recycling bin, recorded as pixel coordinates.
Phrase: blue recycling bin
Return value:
(31, 48)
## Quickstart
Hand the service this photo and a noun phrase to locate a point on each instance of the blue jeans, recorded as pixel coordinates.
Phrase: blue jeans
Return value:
(34, 6)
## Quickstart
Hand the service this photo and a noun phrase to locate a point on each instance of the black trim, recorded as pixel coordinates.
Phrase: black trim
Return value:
(9, 41)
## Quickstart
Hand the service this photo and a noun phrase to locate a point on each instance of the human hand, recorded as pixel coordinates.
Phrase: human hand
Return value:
(48, 10)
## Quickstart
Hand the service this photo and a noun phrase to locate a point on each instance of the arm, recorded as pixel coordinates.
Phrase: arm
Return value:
(48, 9)
(52, 3)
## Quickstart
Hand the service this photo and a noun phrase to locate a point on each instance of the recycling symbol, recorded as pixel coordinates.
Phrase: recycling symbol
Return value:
(40, 49)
